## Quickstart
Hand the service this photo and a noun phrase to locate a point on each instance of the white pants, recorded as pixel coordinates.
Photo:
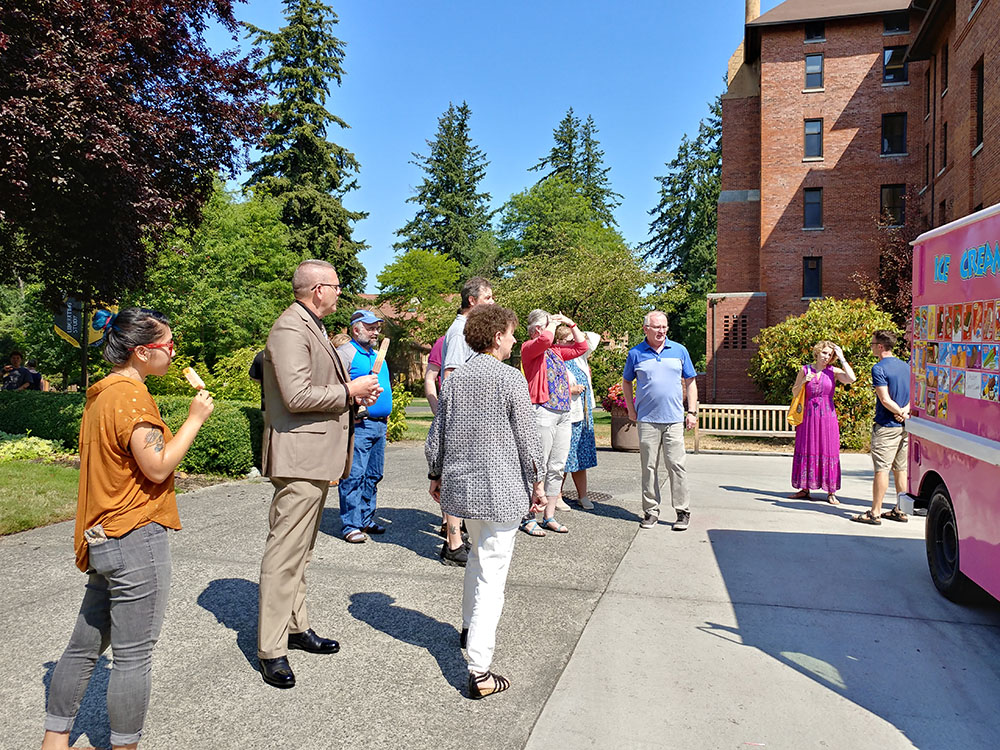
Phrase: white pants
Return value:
(555, 431)
(485, 579)
(667, 440)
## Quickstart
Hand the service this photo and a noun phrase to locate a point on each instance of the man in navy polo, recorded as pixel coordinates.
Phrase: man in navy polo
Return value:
(663, 375)
(358, 491)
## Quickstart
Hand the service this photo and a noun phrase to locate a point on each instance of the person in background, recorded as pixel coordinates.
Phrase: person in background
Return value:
(484, 463)
(454, 353)
(125, 504)
(890, 442)
(664, 378)
(359, 491)
(816, 462)
(15, 376)
(256, 373)
(38, 381)
(582, 445)
(432, 387)
(544, 364)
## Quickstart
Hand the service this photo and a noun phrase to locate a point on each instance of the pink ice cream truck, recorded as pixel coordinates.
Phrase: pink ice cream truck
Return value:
(954, 463)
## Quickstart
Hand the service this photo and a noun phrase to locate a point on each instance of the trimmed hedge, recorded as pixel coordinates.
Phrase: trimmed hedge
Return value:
(229, 443)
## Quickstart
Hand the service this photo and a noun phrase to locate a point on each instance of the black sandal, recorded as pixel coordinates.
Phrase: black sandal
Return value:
(896, 515)
(476, 691)
(867, 517)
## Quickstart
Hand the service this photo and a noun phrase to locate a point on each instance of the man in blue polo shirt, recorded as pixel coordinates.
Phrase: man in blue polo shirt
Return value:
(663, 375)
(358, 491)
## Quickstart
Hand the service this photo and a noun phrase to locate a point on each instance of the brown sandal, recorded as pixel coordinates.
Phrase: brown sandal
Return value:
(476, 689)
(867, 517)
(800, 495)
(896, 515)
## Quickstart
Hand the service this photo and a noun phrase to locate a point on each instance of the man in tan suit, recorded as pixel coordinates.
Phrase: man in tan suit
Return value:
(308, 443)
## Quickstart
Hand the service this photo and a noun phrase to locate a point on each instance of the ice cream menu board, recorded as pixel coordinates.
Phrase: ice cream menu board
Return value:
(955, 355)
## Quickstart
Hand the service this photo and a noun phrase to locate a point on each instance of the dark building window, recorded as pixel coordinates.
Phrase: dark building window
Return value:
(894, 65)
(812, 277)
(896, 23)
(894, 133)
(813, 211)
(893, 204)
(944, 69)
(944, 145)
(813, 138)
(927, 164)
(814, 71)
(980, 89)
(927, 92)
(735, 331)
(815, 31)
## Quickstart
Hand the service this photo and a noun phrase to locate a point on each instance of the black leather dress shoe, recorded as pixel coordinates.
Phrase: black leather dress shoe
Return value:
(307, 640)
(277, 672)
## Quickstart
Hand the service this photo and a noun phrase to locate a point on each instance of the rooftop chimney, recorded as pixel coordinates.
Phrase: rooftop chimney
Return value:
(753, 10)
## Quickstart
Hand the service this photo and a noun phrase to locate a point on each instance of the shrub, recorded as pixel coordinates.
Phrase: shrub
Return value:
(606, 366)
(783, 349)
(229, 443)
(27, 447)
(397, 419)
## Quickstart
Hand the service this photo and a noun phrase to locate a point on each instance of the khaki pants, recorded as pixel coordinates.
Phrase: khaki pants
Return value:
(296, 510)
(667, 440)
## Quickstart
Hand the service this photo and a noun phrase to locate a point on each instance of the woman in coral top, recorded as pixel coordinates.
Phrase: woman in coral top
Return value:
(543, 362)
(125, 505)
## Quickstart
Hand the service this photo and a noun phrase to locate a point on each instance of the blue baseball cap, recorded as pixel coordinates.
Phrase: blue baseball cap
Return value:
(364, 316)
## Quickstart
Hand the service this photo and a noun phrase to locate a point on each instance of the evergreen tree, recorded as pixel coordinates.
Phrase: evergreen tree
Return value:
(309, 174)
(594, 175)
(684, 224)
(577, 158)
(563, 158)
(452, 215)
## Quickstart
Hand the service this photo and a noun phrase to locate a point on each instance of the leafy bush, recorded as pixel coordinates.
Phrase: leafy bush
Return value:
(783, 349)
(229, 443)
(606, 366)
(397, 419)
(27, 447)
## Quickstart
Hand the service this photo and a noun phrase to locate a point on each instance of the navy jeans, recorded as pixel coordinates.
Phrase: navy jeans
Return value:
(358, 491)
(123, 607)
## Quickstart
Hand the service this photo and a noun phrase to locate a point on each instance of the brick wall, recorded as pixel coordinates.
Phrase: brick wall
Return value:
(733, 321)
(968, 179)
(738, 236)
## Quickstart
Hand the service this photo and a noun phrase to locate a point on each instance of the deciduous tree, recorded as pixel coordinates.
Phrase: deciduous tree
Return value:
(114, 119)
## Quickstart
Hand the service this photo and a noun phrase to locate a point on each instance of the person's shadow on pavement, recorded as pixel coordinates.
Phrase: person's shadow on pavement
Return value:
(233, 601)
(92, 718)
(410, 626)
(410, 528)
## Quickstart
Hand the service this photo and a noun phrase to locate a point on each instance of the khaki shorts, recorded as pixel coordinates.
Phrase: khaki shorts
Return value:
(889, 446)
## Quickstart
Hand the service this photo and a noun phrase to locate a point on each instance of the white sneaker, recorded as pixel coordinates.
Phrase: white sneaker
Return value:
(585, 503)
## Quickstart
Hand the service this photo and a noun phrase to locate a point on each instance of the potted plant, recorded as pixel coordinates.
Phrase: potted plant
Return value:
(624, 432)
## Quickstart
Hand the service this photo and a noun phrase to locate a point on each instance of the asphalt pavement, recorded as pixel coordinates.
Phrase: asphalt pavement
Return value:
(769, 623)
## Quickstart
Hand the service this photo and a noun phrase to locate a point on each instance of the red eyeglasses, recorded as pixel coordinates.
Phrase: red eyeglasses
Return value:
(169, 346)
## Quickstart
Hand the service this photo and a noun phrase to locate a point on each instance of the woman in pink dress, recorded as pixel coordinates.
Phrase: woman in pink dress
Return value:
(816, 465)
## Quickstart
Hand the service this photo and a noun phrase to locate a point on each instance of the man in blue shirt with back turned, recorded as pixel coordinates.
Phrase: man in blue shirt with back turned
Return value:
(663, 375)
(358, 491)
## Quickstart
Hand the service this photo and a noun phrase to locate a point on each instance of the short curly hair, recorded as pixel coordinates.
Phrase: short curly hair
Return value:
(484, 323)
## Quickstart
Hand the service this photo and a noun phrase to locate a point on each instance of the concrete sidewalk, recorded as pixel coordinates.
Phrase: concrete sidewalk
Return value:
(770, 621)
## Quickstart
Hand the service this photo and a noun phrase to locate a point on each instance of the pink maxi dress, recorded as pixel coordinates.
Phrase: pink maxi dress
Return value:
(816, 464)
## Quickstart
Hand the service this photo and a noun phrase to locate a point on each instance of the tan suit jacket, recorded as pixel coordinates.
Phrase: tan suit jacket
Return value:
(308, 424)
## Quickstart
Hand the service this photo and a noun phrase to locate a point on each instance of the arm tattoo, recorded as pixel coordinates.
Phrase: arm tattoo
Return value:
(154, 438)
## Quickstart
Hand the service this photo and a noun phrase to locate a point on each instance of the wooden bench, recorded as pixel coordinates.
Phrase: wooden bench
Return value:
(750, 420)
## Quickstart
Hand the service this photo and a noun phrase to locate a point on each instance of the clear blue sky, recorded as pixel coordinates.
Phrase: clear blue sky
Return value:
(645, 70)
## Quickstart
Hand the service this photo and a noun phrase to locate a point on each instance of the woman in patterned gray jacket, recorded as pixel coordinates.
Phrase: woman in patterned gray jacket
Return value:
(485, 465)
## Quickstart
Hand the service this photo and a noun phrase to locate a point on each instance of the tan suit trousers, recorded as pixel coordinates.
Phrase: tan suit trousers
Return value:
(296, 510)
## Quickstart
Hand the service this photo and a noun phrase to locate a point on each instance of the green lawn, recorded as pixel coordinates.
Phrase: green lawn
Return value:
(35, 494)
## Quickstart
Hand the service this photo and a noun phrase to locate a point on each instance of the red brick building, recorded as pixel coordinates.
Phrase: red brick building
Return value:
(819, 136)
(957, 42)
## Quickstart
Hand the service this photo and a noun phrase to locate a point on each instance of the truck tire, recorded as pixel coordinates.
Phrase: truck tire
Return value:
(941, 534)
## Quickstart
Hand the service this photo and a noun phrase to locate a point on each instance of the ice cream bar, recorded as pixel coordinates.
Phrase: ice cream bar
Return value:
(192, 377)
(382, 349)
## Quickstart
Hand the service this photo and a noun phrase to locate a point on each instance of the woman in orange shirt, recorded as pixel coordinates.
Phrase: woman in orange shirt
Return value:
(125, 505)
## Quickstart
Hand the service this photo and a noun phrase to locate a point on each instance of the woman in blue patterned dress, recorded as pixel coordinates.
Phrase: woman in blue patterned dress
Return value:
(582, 445)
(485, 464)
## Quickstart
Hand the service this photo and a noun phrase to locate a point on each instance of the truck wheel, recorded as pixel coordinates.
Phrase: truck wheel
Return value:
(941, 534)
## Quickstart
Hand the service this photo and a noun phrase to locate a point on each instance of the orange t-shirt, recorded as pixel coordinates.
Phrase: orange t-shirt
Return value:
(113, 490)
